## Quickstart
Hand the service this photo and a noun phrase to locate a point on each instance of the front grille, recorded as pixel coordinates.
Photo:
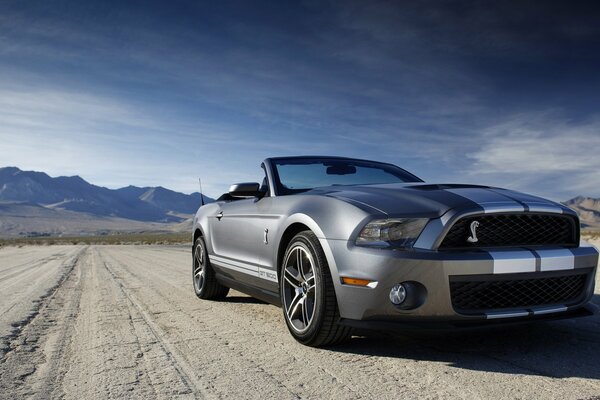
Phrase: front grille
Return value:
(498, 230)
(476, 296)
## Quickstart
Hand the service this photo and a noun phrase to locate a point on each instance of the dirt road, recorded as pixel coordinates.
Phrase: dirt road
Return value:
(123, 322)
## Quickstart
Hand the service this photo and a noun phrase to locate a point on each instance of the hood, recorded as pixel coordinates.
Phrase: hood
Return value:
(434, 200)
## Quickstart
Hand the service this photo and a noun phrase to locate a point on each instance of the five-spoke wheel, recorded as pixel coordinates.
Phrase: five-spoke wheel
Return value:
(199, 270)
(206, 285)
(299, 287)
(307, 294)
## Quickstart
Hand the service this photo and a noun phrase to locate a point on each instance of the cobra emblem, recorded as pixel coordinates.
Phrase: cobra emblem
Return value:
(473, 238)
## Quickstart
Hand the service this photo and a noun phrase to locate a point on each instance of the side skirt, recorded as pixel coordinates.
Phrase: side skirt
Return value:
(261, 294)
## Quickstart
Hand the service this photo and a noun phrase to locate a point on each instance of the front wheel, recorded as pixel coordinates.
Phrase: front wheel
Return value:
(206, 285)
(308, 297)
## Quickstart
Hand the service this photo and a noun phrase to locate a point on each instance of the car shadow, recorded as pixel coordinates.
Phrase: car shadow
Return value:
(560, 349)
(242, 299)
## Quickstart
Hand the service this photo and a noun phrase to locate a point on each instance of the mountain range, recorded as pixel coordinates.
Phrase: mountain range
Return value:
(588, 209)
(66, 199)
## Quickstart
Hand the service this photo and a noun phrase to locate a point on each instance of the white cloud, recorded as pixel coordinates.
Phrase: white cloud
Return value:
(556, 156)
(105, 140)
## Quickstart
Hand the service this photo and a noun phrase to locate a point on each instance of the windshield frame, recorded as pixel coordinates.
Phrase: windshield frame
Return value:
(283, 191)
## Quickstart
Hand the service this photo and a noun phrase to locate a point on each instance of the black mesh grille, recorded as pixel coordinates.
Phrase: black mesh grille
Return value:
(469, 297)
(499, 230)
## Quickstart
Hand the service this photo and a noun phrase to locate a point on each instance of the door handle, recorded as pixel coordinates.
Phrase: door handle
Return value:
(220, 215)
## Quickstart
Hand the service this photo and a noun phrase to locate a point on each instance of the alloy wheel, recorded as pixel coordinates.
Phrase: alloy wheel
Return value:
(199, 270)
(299, 288)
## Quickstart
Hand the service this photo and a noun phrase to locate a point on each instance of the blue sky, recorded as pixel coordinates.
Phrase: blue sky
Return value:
(159, 93)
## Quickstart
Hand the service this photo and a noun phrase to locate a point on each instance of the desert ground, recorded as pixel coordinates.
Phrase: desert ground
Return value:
(96, 322)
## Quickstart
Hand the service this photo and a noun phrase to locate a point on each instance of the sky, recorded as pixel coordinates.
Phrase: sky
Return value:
(149, 93)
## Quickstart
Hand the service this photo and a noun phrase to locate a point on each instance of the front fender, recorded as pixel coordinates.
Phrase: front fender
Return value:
(299, 218)
(201, 223)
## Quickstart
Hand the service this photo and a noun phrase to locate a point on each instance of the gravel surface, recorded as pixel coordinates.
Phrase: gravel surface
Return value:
(123, 322)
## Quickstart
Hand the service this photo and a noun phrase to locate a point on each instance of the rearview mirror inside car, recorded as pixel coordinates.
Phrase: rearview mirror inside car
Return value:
(341, 169)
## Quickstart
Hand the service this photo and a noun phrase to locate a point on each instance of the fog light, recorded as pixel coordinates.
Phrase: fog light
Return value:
(398, 294)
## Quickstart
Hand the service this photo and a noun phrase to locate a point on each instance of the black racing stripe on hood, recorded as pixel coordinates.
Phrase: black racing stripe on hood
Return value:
(447, 186)
(525, 206)
(401, 200)
(464, 201)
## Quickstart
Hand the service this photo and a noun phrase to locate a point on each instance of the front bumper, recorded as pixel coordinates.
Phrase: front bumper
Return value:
(425, 324)
(434, 270)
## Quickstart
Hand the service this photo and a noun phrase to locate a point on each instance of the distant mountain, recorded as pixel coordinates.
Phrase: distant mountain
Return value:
(588, 209)
(148, 204)
(29, 219)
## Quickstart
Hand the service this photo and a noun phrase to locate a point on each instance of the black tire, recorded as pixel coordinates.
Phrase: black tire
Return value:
(207, 287)
(321, 328)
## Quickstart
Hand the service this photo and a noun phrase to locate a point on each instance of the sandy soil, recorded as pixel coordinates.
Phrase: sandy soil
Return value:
(123, 322)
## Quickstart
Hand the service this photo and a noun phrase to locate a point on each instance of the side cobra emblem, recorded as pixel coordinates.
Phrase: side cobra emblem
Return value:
(473, 238)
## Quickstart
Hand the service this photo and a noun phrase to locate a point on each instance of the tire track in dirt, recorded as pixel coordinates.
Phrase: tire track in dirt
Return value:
(54, 312)
(185, 372)
(18, 325)
(48, 359)
(55, 329)
(115, 353)
(19, 269)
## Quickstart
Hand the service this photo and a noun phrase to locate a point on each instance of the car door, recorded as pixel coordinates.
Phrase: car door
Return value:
(240, 233)
(234, 233)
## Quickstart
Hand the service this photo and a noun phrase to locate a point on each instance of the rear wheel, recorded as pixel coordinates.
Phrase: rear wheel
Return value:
(308, 297)
(206, 285)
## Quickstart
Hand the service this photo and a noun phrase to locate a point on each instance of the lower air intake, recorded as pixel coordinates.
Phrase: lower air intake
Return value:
(477, 296)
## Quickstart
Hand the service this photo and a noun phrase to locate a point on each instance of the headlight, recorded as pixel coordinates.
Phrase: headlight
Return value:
(396, 232)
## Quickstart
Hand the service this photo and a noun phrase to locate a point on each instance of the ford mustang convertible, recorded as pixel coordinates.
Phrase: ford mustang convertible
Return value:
(340, 243)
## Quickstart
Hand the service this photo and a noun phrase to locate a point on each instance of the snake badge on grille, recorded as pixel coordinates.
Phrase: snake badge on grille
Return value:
(473, 238)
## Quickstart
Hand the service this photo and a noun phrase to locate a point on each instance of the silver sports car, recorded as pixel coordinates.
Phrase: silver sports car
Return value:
(341, 243)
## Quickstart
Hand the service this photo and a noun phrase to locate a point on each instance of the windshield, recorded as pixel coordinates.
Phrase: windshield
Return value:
(294, 175)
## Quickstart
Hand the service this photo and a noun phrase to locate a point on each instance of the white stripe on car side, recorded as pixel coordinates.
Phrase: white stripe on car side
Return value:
(234, 263)
(509, 262)
(249, 269)
(556, 260)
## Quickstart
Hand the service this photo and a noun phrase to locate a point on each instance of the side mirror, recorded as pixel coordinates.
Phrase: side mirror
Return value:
(246, 189)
